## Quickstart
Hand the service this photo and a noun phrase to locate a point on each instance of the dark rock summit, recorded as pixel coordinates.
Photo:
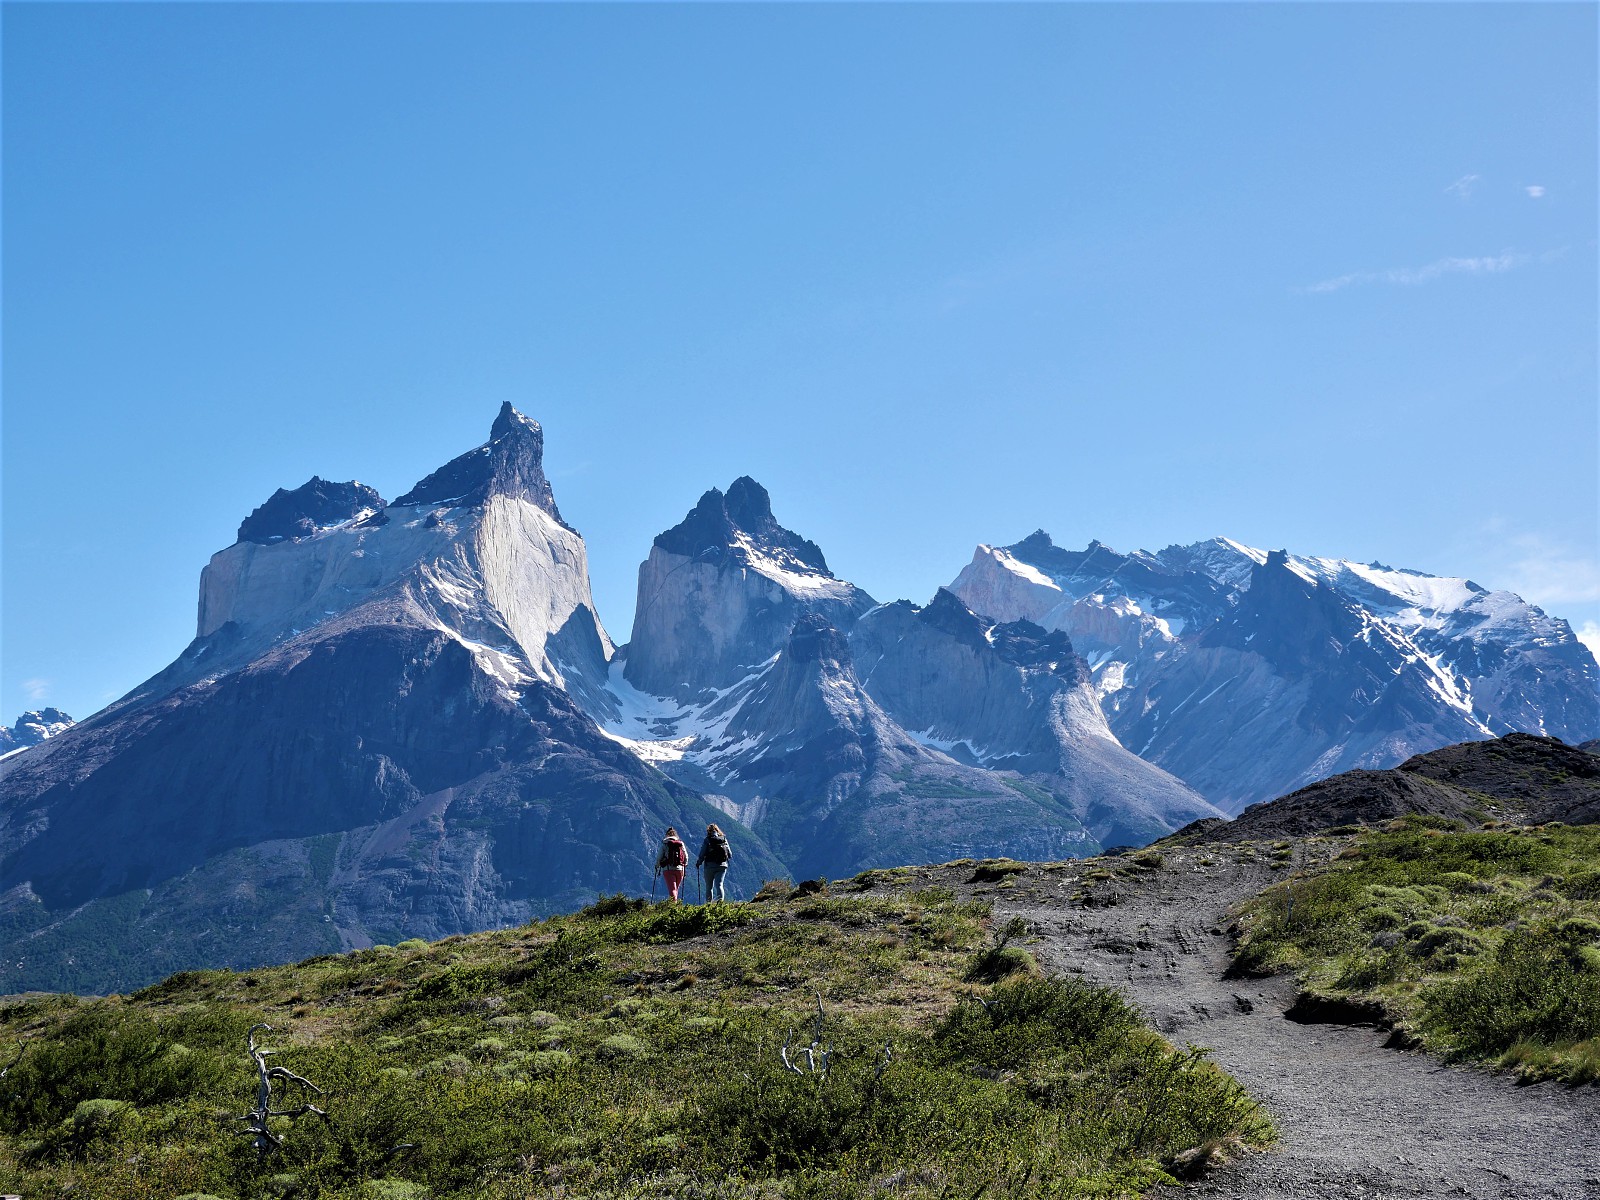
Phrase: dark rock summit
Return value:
(510, 463)
(316, 504)
(739, 524)
(720, 593)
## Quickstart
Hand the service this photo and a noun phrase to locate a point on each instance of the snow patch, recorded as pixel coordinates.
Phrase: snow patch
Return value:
(656, 753)
(661, 730)
(790, 573)
(1025, 571)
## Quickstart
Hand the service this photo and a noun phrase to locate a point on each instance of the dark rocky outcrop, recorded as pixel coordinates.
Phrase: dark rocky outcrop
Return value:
(1543, 778)
(316, 504)
(1530, 778)
(510, 463)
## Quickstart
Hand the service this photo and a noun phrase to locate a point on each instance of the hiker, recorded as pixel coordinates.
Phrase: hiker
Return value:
(715, 854)
(672, 862)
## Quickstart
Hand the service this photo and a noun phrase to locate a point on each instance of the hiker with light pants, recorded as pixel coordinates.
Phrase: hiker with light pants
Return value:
(715, 855)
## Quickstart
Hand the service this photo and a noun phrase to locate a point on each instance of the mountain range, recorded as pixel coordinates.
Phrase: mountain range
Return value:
(405, 718)
(1250, 674)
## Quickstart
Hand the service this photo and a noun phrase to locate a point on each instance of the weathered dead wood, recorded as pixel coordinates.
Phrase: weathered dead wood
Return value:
(818, 1056)
(256, 1122)
(22, 1046)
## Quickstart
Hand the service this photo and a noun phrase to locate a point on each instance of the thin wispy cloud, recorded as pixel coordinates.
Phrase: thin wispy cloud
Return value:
(1412, 276)
(1463, 187)
(1534, 190)
(1550, 573)
(36, 689)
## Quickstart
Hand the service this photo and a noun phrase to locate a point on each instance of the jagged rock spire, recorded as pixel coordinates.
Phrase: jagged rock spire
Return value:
(510, 463)
(740, 520)
(721, 591)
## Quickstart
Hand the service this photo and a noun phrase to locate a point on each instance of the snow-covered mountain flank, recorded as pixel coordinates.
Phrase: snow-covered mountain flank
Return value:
(1249, 674)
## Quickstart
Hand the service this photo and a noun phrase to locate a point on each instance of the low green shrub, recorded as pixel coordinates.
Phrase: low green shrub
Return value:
(107, 1053)
(663, 923)
(1024, 1019)
(994, 870)
(569, 1057)
(1002, 959)
(1534, 988)
(612, 905)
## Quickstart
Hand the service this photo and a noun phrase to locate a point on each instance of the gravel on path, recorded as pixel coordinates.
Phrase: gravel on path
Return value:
(1355, 1118)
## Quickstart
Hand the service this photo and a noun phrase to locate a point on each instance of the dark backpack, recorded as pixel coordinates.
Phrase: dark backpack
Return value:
(717, 849)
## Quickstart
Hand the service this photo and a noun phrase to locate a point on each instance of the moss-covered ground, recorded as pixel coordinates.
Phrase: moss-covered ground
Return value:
(629, 1050)
(1482, 943)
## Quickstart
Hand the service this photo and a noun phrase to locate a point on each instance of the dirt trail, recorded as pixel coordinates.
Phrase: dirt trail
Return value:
(1355, 1119)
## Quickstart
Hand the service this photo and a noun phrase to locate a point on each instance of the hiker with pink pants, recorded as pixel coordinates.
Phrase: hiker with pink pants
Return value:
(672, 862)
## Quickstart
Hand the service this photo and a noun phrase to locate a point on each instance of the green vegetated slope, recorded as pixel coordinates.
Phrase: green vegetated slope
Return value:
(1481, 942)
(628, 1050)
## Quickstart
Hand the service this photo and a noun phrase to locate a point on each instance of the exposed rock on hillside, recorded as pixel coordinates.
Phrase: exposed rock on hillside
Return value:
(1539, 779)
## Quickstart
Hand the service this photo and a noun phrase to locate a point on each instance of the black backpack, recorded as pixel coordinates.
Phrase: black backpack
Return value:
(717, 849)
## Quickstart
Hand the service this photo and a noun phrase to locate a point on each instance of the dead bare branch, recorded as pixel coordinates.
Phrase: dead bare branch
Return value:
(266, 1078)
(819, 1057)
(21, 1048)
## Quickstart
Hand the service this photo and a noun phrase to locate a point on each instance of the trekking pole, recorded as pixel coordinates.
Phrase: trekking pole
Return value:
(654, 876)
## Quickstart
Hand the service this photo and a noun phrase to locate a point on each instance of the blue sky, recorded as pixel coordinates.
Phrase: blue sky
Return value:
(1321, 277)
